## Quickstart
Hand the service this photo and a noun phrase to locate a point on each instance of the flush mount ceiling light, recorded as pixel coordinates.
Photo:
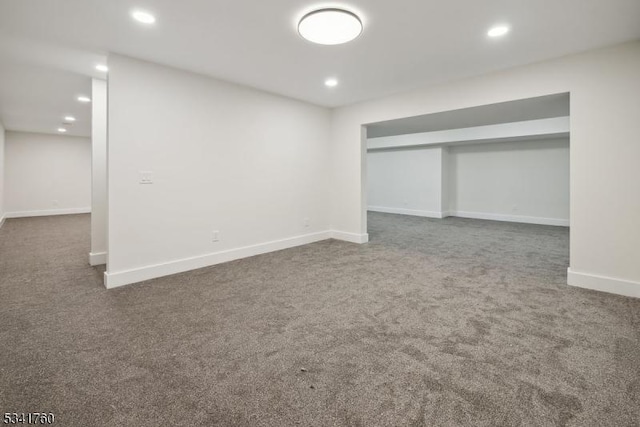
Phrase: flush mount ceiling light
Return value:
(330, 26)
(102, 67)
(331, 82)
(83, 98)
(143, 17)
(62, 130)
(69, 119)
(498, 31)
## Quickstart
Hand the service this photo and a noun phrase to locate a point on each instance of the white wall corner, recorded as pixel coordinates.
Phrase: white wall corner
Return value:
(603, 283)
(444, 181)
(99, 204)
(47, 212)
(350, 237)
(97, 258)
(126, 277)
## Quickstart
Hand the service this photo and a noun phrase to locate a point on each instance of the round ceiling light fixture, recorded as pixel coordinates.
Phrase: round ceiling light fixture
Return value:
(330, 26)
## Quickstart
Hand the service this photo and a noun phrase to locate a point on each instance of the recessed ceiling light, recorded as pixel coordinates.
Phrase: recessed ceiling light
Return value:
(69, 119)
(62, 130)
(331, 82)
(498, 31)
(102, 67)
(143, 17)
(83, 98)
(330, 26)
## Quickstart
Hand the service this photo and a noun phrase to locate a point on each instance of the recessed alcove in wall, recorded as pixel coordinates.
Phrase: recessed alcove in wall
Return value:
(505, 162)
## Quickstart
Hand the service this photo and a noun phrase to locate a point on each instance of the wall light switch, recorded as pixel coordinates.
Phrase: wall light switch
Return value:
(215, 236)
(146, 177)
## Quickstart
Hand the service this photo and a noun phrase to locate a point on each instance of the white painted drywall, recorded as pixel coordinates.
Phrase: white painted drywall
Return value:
(46, 174)
(223, 157)
(526, 130)
(604, 175)
(2, 167)
(98, 172)
(526, 181)
(405, 181)
(445, 181)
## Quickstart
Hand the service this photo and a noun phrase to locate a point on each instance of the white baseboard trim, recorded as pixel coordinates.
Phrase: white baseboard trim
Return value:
(602, 283)
(126, 277)
(97, 258)
(350, 237)
(49, 212)
(511, 218)
(402, 211)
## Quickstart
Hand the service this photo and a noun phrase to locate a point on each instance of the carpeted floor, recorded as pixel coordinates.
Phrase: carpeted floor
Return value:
(435, 322)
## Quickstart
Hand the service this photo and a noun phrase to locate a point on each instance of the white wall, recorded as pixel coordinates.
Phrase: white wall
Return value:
(605, 178)
(526, 181)
(248, 164)
(46, 174)
(98, 254)
(405, 181)
(2, 144)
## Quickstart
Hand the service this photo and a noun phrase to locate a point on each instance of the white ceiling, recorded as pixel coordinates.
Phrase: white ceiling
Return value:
(48, 47)
(39, 84)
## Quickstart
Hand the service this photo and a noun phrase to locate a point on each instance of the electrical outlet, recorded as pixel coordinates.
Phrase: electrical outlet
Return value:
(306, 222)
(146, 177)
(55, 203)
(215, 236)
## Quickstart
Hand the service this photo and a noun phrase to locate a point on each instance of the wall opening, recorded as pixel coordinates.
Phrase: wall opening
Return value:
(507, 163)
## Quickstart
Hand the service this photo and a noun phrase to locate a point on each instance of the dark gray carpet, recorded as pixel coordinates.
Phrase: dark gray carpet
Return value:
(435, 322)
